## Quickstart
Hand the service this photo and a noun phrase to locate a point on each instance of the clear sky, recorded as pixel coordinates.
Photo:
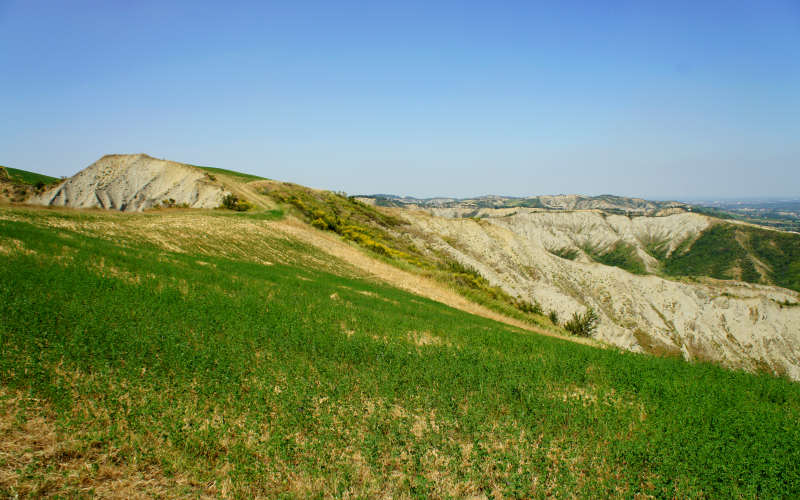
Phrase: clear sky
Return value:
(661, 99)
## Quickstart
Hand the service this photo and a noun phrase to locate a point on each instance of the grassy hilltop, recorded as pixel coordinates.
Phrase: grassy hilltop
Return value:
(18, 185)
(26, 177)
(189, 353)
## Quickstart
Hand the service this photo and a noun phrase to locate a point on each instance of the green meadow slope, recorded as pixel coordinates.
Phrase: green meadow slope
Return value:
(725, 250)
(16, 185)
(227, 359)
(26, 177)
(741, 252)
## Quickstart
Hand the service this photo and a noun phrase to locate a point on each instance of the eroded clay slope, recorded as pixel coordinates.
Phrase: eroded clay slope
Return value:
(583, 229)
(132, 183)
(736, 324)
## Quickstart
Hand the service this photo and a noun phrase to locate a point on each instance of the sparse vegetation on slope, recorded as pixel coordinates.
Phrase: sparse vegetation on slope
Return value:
(566, 253)
(383, 234)
(220, 375)
(620, 255)
(347, 217)
(731, 323)
(732, 251)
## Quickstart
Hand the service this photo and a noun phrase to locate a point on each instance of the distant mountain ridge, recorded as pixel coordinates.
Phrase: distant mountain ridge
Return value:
(605, 202)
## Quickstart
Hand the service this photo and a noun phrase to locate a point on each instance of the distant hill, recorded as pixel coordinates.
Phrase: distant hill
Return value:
(608, 203)
(134, 183)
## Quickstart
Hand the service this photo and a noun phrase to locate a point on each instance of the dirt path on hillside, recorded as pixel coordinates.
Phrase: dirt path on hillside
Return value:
(419, 285)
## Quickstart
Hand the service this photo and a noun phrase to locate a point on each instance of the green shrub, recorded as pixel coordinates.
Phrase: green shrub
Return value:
(582, 325)
(319, 224)
(566, 253)
(233, 202)
(457, 267)
(378, 248)
(553, 316)
(528, 307)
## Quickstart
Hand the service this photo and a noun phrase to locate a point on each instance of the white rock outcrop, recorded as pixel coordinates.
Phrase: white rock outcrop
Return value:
(132, 183)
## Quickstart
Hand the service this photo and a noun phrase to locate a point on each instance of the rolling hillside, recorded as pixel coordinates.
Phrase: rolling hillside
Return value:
(532, 267)
(191, 353)
(315, 345)
(25, 177)
(738, 252)
(17, 186)
(568, 262)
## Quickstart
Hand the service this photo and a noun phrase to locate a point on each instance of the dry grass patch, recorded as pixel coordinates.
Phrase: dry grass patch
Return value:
(38, 460)
(424, 338)
(11, 245)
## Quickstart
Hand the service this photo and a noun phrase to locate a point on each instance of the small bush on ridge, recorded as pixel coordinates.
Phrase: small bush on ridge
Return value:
(582, 325)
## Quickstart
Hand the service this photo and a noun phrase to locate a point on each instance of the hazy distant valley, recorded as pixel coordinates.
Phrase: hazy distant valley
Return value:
(781, 214)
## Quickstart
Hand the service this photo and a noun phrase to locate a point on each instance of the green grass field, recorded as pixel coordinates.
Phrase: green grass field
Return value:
(31, 178)
(237, 368)
(237, 175)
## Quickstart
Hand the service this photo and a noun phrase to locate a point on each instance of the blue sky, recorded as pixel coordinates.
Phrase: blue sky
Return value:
(656, 99)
